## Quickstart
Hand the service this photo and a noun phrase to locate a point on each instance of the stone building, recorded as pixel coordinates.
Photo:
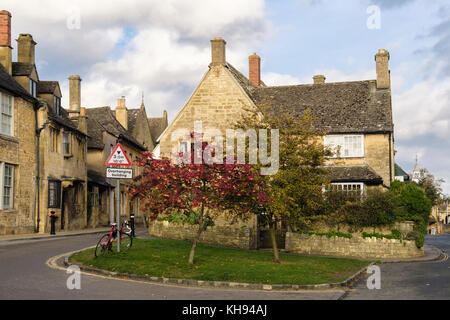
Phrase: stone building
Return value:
(17, 143)
(44, 169)
(133, 129)
(356, 115)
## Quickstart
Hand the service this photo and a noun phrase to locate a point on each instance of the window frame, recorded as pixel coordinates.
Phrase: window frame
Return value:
(68, 142)
(341, 146)
(33, 88)
(10, 205)
(57, 190)
(57, 104)
(360, 184)
(11, 115)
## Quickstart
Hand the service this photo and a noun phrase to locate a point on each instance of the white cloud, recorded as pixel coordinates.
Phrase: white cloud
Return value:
(125, 48)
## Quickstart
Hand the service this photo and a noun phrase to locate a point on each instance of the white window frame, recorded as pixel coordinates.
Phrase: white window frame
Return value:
(11, 133)
(337, 143)
(10, 206)
(180, 146)
(345, 186)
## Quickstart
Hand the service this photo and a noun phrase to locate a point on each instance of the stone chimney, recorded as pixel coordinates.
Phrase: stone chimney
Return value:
(122, 112)
(74, 96)
(25, 48)
(82, 122)
(254, 69)
(319, 79)
(383, 72)
(5, 41)
(218, 52)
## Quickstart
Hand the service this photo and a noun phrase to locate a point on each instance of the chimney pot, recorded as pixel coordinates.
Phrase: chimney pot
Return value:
(254, 69)
(319, 79)
(218, 51)
(5, 41)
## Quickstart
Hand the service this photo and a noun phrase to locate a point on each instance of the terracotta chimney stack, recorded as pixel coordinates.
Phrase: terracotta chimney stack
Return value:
(5, 41)
(254, 69)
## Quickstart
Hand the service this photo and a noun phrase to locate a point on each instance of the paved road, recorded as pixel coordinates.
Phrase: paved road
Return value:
(425, 280)
(25, 275)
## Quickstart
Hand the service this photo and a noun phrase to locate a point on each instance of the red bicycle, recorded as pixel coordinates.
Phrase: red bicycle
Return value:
(106, 242)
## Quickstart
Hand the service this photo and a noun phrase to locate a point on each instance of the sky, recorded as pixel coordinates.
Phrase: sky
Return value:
(162, 49)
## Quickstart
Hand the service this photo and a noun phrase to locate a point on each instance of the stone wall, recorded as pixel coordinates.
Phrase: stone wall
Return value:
(224, 236)
(404, 227)
(356, 247)
(20, 150)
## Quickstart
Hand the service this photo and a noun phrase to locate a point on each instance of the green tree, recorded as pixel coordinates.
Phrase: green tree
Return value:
(296, 189)
(432, 187)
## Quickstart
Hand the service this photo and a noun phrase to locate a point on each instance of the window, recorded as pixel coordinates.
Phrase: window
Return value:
(54, 194)
(6, 114)
(95, 199)
(183, 147)
(66, 143)
(33, 88)
(54, 139)
(7, 186)
(348, 187)
(345, 146)
(57, 104)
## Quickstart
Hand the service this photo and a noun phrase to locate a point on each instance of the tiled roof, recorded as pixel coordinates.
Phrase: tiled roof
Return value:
(9, 84)
(22, 69)
(106, 118)
(47, 86)
(354, 173)
(98, 178)
(157, 126)
(339, 107)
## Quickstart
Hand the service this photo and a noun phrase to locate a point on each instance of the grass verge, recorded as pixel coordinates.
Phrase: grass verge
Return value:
(168, 258)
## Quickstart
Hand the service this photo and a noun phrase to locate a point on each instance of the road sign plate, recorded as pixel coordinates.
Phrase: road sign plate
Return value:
(118, 173)
(118, 157)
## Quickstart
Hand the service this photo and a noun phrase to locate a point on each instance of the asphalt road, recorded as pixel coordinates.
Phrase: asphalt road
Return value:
(410, 281)
(24, 274)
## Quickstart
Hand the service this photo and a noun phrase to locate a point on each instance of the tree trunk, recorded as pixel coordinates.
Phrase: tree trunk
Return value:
(194, 244)
(276, 257)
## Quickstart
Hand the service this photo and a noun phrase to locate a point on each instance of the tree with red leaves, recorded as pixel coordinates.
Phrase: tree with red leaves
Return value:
(203, 190)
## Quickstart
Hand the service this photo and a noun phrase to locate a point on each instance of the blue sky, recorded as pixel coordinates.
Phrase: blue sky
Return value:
(162, 48)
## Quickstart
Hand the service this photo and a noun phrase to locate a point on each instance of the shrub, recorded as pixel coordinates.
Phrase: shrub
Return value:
(417, 236)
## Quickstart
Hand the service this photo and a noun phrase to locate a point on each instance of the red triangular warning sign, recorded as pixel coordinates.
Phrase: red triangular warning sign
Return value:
(118, 157)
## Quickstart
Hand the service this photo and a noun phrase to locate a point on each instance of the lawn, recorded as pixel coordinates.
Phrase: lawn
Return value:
(168, 258)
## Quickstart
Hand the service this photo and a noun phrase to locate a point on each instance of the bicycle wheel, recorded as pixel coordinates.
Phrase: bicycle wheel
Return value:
(102, 246)
(126, 243)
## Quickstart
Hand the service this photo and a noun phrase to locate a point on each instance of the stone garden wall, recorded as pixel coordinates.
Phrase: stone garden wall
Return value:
(356, 247)
(225, 236)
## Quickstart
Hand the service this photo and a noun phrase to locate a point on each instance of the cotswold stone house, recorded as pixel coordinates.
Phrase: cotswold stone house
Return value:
(356, 115)
(17, 143)
(43, 146)
(134, 130)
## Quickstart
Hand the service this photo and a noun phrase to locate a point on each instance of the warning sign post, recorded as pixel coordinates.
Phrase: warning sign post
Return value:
(118, 157)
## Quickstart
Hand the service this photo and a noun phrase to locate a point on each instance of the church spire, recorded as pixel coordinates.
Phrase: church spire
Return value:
(142, 103)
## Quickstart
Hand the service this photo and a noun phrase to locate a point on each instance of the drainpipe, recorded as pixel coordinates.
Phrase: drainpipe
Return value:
(390, 159)
(38, 177)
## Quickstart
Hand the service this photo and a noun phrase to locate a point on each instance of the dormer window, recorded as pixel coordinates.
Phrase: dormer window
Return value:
(33, 88)
(57, 104)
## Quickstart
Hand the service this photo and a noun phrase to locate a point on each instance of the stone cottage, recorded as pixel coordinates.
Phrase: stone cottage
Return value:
(133, 129)
(45, 169)
(356, 115)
